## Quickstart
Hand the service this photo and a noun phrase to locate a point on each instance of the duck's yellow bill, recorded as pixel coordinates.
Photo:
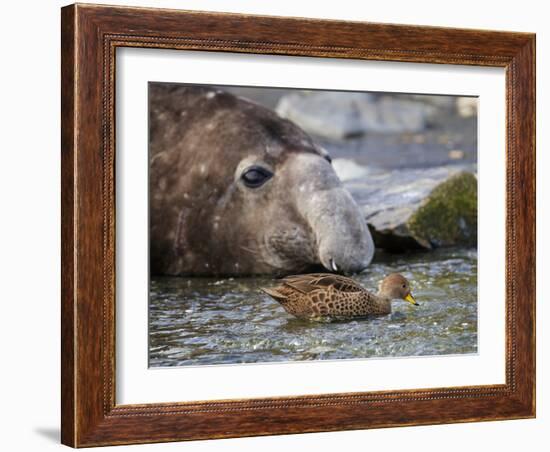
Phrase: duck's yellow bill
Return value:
(411, 299)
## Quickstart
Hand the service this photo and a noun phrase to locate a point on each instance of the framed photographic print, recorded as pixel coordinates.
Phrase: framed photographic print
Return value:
(281, 225)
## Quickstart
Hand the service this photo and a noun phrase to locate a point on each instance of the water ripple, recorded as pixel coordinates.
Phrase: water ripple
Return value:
(196, 321)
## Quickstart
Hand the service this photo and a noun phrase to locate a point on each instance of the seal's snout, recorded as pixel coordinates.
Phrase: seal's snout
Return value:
(354, 262)
(340, 233)
(344, 240)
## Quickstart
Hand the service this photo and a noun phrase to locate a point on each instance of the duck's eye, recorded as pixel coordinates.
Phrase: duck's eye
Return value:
(256, 176)
(404, 286)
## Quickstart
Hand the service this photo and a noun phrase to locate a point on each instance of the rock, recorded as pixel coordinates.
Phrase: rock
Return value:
(342, 115)
(268, 97)
(448, 216)
(419, 208)
(466, 106)
(456, 154)
(440, 101)
(328, 114)
(348, 169)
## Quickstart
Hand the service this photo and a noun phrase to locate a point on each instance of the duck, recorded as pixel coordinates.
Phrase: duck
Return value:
(318, 296)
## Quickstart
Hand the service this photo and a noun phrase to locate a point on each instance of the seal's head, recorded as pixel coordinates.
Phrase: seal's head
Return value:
(247, 192)
(305, 215)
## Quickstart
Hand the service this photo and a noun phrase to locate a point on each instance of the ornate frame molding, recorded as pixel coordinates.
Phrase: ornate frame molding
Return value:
(90, 36)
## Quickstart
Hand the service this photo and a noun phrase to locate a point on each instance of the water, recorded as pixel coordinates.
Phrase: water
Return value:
(198, 321)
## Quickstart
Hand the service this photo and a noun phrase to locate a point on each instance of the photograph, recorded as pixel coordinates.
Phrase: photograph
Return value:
(292, 224)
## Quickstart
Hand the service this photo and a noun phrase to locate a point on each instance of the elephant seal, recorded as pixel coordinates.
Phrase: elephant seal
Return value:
(237, 190)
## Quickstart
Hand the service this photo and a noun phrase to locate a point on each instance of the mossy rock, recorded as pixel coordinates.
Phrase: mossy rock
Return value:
(418, 208)
(449, 214)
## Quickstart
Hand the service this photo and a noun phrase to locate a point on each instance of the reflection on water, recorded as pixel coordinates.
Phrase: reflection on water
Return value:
(195, 321)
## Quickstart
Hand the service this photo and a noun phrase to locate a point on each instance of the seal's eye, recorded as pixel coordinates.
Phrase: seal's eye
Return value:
(256, 176)
(328, 159)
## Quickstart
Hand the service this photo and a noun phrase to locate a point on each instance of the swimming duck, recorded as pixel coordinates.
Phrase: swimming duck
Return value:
(324, 295)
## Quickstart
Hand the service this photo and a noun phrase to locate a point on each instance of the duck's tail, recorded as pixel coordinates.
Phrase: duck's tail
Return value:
(275, 294)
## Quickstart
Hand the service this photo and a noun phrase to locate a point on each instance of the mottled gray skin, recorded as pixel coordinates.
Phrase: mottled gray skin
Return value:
(205, 221)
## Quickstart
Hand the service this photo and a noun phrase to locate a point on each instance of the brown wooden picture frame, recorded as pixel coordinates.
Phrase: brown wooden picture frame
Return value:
(90, 36)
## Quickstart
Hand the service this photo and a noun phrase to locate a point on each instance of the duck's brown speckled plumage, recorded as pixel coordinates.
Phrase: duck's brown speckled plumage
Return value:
(324, 295)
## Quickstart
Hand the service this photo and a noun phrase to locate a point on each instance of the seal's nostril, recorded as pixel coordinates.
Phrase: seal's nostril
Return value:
(333, 265)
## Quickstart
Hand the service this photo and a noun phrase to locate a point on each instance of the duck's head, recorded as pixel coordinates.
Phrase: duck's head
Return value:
(396, 286)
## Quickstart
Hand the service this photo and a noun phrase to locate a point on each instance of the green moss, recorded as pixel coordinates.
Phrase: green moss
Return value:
(449, 214)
